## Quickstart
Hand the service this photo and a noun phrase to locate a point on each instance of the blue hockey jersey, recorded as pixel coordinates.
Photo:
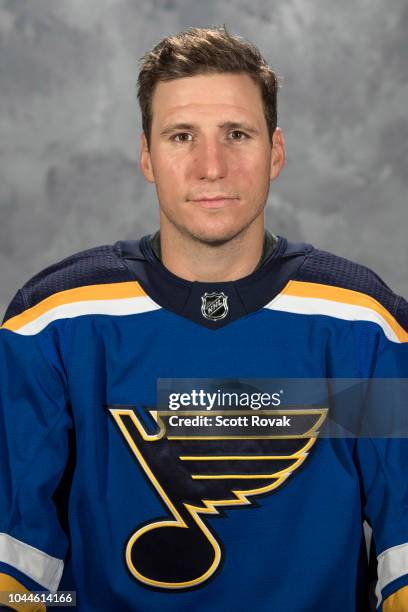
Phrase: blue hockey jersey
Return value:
(126, 476)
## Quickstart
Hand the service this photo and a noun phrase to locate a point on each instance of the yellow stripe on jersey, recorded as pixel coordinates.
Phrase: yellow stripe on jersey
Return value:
(397, 602)
(109, 298)
(9, 585)
(315, 298)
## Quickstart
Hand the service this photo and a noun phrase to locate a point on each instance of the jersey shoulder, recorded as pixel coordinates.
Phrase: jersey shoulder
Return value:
(94, 266)
(326, 268)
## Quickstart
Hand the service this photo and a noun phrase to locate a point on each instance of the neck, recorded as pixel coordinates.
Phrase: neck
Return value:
(194, 260)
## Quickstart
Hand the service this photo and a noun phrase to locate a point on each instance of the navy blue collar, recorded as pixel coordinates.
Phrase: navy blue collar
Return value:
(217, 304)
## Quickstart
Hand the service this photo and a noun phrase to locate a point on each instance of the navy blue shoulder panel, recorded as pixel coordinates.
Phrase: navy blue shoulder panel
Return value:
(402, 313)
(329, 269)
(16, 306)
(94, 266)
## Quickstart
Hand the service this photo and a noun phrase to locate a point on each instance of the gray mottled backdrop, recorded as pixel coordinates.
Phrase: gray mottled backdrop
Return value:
(70, 125)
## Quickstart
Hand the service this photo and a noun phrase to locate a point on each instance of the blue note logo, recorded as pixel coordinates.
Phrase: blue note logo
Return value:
(199, 463)
(214, 306)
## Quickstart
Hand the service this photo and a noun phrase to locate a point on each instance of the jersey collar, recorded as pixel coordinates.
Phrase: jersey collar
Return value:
(212, 305)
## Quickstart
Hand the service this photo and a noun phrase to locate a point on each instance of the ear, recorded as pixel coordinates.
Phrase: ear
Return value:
(278, 155)
(145, 162)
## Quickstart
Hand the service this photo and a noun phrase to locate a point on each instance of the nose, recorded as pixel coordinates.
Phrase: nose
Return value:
(210, 159)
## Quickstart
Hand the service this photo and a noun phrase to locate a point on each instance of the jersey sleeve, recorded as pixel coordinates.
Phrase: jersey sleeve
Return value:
(34, 431)
(383, 462)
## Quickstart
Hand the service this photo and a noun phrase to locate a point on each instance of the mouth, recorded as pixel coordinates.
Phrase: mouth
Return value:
(215, 202)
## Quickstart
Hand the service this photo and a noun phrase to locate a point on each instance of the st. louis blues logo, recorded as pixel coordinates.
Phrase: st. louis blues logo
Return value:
(214, 306)
(197, 468)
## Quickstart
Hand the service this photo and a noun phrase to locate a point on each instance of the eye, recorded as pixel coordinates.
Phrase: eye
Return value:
(239, 132)
(180, 134)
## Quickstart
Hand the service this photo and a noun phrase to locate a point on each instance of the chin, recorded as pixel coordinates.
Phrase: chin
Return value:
(215, 236)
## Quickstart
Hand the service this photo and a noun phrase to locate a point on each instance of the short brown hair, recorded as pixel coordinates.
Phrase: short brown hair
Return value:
(204, 51)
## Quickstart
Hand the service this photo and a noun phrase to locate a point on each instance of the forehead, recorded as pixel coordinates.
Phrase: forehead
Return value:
(234, 95)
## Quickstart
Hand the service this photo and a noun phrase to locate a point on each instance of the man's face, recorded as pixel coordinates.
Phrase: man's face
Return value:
(209, 138)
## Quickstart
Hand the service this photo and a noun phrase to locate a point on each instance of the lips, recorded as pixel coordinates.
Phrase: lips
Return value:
(213, 196)
(220, 196)
(219, 202)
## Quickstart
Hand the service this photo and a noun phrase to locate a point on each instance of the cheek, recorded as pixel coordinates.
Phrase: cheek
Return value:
(250, 164)
(253, 180)
(250, 176)
(170, 183)
(167, 168)
(169, 178)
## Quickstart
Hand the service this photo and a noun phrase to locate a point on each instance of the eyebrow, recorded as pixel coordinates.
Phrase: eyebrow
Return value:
(232, 125)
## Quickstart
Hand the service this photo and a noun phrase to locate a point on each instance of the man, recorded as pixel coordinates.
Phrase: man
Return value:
(155, 453)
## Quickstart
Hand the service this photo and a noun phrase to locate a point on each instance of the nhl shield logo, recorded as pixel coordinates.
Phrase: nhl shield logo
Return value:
(214, 306)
